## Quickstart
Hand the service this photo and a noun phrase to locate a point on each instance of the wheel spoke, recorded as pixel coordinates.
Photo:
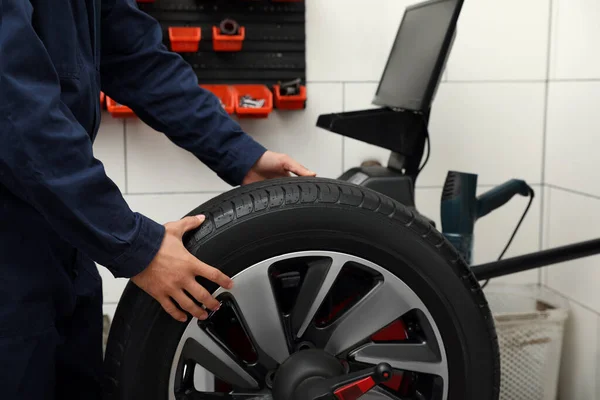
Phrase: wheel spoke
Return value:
(255, 300)
(378, 394)
(201, 348)
(415, 357)
(318, 282)
(380, 307)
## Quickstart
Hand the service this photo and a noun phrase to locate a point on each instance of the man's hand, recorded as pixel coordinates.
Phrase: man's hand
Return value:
(173, 272)
(275, 165)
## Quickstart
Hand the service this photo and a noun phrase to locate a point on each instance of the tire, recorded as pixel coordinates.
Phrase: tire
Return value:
(258, 221)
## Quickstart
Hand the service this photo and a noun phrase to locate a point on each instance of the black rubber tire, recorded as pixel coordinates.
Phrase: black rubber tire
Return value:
(256, 222)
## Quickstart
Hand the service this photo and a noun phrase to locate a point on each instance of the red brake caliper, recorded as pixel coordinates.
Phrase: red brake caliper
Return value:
(394, 332)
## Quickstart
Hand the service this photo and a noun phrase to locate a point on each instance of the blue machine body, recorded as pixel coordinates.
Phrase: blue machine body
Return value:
(461, 208)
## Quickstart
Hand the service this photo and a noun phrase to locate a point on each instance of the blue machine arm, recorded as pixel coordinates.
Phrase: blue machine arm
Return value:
(500, 195)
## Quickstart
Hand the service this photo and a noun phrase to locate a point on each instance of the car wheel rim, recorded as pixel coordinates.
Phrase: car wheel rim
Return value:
(291, 302)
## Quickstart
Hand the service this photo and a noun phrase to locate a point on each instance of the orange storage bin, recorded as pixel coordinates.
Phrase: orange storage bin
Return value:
(102, 96)
(226, 94)
(118, 110)
(293, 102)
(255, 92)
(184, 39)
(228, 42)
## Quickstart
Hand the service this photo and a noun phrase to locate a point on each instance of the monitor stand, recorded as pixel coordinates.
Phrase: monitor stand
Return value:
(402, 132)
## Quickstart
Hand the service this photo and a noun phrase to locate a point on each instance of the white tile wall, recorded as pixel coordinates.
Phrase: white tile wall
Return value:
(572, 192)
(492, 129)
(501, 40)
(572, 136)
(579, 363)
(575, 33)
(351, 40)
(572, 219)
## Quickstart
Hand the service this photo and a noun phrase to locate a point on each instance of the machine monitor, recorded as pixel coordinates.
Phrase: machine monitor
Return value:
(417, 59)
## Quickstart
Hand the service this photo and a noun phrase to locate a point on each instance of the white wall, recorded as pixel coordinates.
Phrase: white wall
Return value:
(573, 186)
(518, 101)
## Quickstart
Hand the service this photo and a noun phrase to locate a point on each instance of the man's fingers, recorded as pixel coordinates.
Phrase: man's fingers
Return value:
(295, 167)
(189, 223)
(202, 296)
(213, 274)
(172, 309)
(188, 305)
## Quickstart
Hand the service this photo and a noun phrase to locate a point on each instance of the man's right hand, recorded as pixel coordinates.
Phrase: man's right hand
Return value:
(173, 272)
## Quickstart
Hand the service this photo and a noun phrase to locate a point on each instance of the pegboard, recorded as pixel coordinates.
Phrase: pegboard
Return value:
(274, 48)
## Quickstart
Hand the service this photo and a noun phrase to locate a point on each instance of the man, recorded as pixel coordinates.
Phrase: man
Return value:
(59, 213)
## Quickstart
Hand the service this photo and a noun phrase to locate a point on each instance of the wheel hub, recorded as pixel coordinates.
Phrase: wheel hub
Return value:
(303, 368)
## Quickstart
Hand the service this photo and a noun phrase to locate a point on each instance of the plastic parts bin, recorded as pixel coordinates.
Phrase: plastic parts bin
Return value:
(256, 92)
(292, 102)
(228, 42)
(118, 110)
(226, 94)
(185, 39)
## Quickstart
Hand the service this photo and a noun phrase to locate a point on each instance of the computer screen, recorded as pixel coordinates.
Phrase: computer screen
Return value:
(415, 63)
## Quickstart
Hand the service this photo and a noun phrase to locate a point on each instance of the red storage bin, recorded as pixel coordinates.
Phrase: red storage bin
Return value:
(228, 42)
(227, 95)
(294, 102)
(118, 110)
(257, 92)
(184, 39)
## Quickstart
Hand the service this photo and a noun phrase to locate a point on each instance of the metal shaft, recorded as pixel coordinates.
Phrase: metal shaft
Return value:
(536, 260)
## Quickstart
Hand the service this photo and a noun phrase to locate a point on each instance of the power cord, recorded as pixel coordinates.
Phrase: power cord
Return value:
(428, 141)
(531, 196)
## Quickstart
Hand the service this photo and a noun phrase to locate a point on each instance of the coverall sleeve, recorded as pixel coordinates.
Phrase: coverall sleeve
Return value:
(46, 156)
(162, 89)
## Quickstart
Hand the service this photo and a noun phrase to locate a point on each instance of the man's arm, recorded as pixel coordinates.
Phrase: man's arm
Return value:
(162, 89)
(46, 156)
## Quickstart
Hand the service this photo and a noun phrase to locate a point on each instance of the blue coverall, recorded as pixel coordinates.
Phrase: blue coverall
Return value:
(59, 212)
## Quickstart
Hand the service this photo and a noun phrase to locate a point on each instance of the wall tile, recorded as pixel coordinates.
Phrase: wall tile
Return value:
(579, 356)
(571, 136)
(575, 32)
(570, 223)
(358, 96)
(492, 129)
(296, 133)
(494, 230)
(355, 47)
(155, 165)
(162, 209)
(501, 40)
(109, 148)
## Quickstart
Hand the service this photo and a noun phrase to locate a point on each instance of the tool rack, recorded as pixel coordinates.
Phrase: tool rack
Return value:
(267, 48)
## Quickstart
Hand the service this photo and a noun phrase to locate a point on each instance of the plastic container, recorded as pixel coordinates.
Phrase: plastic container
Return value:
(228, 42)
(530, 322)
(258, 92)
(118, 110)
(294, 102)
(185, 39)
(226, 94)
(102, 98)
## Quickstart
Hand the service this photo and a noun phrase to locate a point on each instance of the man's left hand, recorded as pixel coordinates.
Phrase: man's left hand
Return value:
(275, 165)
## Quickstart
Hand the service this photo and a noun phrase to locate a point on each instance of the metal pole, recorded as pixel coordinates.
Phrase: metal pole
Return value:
(536, 260)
